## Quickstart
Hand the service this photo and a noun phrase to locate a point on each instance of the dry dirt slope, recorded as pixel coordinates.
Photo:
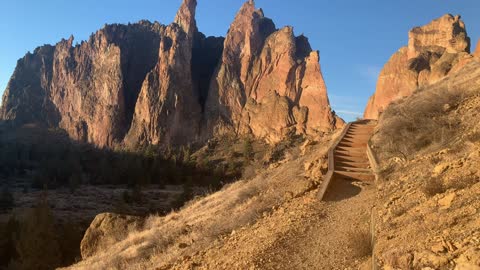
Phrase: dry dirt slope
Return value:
(428, 208)
(272, 221)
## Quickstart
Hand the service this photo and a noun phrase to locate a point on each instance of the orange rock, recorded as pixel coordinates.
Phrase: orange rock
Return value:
(277, 70)
(147, 83)
(395, 81)
(477, 50)
(434, 51)
(167, 109)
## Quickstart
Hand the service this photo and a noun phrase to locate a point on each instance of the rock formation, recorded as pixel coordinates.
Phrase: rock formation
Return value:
(278, 87)
(26, 98)
(107, 229)
(89, 89)
(148, 83)
(167, 109)
(477, 50)
(434, 50)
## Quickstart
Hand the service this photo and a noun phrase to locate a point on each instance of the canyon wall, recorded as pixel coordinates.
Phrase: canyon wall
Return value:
(147, 83)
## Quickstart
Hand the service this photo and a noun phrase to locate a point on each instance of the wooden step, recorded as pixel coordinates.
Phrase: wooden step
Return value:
(363, 165)
(362, 137)
(359, 135)
(352, 169)
(351, 159)
(353, 149)
(349, 153)
(361, 128)
(352, 144)
(356, 175)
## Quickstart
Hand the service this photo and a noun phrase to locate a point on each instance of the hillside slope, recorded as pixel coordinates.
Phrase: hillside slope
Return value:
(204, 222)
(428, 194)
(254, 224)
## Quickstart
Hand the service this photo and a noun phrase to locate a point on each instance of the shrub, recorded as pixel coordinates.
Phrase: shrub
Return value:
(10, 232)
(361, 243)
(275, 153)
(433, 186)
(73, 182)
(419, 123)
(474, 137)
(71, 236)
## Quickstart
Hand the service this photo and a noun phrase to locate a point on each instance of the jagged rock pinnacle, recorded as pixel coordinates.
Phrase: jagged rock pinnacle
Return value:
(185, 17)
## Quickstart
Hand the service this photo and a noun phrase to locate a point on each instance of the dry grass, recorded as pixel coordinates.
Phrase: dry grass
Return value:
(203, 221)
(361, 243)
(474, 137)
(419, 123)
(433, 186)
(463, 182)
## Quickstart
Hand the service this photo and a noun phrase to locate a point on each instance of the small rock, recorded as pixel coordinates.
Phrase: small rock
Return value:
(446, 201)
(441, 168)
(308, 166)
(446, 107)
(439, 248)
(182, 245)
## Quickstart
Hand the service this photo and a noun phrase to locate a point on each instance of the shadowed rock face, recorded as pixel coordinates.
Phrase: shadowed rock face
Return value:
(26, 98)
(147, 83)
(167, 109)
(434, 51)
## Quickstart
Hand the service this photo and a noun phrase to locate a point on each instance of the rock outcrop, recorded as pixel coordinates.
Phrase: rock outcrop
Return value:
(268, 83)
(26, 98)
(167, 109)
(477, 50)
(107, 229)
(88, 89)
(95, 85)
(434, 51)
(148, 83)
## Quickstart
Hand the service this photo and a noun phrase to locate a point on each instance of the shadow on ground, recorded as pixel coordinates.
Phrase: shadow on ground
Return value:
(341, 188)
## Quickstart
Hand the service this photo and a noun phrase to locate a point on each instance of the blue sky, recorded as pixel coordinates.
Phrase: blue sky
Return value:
(355, 38)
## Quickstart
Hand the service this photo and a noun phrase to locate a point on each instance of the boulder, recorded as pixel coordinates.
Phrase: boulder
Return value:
(106, 230)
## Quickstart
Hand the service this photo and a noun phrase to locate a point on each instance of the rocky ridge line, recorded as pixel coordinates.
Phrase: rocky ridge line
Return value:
(148, 83)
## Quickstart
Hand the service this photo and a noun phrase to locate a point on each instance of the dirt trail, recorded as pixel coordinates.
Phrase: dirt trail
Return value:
(306, 233)
(327, 243)
(341, 239)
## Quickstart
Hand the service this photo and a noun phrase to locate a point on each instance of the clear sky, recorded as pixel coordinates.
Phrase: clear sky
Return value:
(355, 38)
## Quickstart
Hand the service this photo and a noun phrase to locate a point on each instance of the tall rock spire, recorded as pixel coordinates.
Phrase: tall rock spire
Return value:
(185, 17)
(268, 82)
